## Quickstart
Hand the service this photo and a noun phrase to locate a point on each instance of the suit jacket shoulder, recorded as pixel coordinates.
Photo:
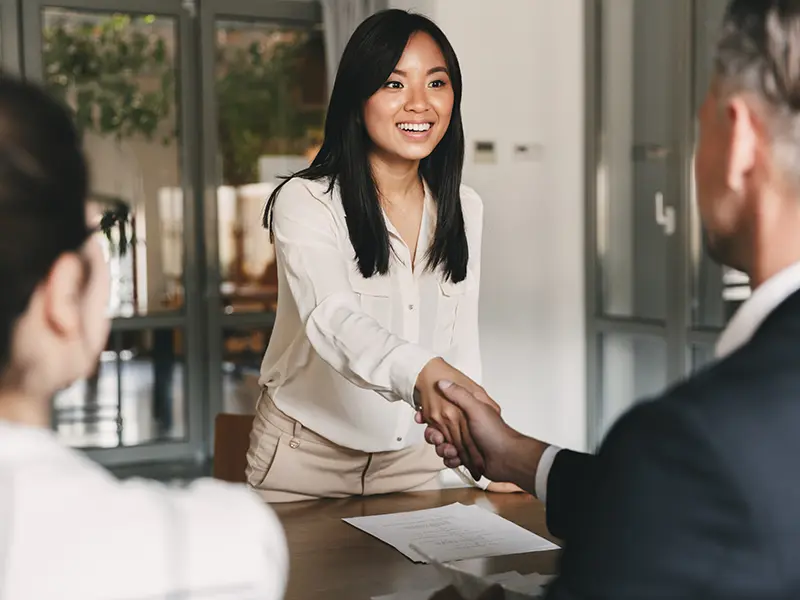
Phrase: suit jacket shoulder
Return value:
(693, 494)
(657, 515)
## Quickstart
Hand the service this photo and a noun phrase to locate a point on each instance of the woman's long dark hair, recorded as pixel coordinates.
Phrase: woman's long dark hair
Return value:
(371, 54)
(43, 189)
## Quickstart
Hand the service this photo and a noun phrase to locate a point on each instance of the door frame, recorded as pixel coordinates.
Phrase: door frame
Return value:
(296, 12)
(190, 320)
(674, 330)
(10, 39)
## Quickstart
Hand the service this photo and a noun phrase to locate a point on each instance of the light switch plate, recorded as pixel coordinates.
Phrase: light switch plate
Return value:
(529, 152)
(485, 152)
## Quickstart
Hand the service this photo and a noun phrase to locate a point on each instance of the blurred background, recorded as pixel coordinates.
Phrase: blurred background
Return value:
(580, 127)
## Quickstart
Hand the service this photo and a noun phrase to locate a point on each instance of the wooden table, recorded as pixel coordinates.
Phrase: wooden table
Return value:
(331, 559)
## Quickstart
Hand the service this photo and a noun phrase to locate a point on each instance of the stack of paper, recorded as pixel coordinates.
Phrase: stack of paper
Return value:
(451, 533)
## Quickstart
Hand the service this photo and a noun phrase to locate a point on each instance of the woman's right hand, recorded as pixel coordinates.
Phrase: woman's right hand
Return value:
(441, 414)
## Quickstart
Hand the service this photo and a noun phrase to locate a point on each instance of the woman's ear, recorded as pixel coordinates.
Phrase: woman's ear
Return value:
(61, 291)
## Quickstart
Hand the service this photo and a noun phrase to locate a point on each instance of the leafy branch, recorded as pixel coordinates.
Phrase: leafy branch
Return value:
(117, 76)
(259, 105)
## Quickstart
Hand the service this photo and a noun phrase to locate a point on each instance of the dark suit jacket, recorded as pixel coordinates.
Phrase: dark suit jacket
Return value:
(695, 494)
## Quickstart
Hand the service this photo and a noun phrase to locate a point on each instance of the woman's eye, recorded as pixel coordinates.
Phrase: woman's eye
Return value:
(393, 85)
(438, 83)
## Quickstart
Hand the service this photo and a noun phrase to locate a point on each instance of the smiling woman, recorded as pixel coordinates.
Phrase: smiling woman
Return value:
(416, 102)
(378, 251)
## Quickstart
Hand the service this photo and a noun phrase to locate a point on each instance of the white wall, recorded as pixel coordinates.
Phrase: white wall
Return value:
(523, 84)
(425, 7)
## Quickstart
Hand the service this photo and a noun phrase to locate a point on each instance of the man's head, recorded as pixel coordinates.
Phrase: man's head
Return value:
(747, 163)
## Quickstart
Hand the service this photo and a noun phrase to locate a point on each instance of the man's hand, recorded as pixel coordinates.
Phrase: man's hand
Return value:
(508, 455)
(445, 417)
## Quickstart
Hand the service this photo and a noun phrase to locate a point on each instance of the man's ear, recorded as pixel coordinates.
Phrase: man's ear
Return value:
(745, 128)
(61, 293)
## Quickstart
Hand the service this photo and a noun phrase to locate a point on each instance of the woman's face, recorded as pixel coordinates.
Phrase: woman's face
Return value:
(410, 114)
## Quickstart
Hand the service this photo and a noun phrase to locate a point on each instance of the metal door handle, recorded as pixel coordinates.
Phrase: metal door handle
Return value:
(665, 215)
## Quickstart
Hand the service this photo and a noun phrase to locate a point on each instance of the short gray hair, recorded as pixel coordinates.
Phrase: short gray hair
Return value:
(759, 53)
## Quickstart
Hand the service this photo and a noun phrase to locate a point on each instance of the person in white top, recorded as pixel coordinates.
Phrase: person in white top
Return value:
(68, 528)
(378, 257)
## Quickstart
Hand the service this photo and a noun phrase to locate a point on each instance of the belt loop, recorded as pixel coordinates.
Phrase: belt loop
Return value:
(295, 441)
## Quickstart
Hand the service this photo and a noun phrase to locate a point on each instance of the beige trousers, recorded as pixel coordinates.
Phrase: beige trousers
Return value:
(287, 463)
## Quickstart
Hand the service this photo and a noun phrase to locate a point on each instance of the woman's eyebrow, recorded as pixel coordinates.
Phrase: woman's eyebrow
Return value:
(430, 71)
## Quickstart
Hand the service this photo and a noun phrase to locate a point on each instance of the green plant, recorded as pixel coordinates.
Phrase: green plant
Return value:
(116, 215)
(116, 75)
(259, 106)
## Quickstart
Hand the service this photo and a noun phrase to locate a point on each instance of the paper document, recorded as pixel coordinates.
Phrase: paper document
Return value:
(450, 533)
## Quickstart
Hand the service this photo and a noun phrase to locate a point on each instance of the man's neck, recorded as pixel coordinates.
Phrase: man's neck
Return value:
(24, 409)
(776, 241)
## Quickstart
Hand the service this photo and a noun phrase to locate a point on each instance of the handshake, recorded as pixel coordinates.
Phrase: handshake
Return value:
(465, 426)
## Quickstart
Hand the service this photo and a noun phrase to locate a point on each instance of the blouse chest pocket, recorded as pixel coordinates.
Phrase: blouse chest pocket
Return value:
(451, 301)
(375, 296)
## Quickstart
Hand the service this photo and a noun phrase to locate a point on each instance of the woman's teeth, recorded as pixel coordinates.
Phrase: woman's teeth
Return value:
(414, 126)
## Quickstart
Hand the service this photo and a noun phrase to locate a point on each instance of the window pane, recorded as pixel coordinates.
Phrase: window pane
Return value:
(136, 396)
(243, 350)
(271, 98)
(633, 369)
(636, 170)
(87, 414)
(118, 73)
(702, 355)
(152, 383)
(717, 291)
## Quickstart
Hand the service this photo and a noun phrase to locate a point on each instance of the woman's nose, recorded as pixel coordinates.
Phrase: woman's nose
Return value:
(417, 100)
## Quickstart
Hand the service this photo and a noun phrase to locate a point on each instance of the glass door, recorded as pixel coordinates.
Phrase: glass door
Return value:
(265, 90)
(638, 83)
(190, 114)
(716, 292)
(127, 71)
(9, 36)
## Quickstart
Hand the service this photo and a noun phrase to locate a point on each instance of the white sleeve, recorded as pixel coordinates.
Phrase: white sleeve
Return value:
(460, 478)
(350, 341)
(543, 472)
(119, 540)
(227, 541)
